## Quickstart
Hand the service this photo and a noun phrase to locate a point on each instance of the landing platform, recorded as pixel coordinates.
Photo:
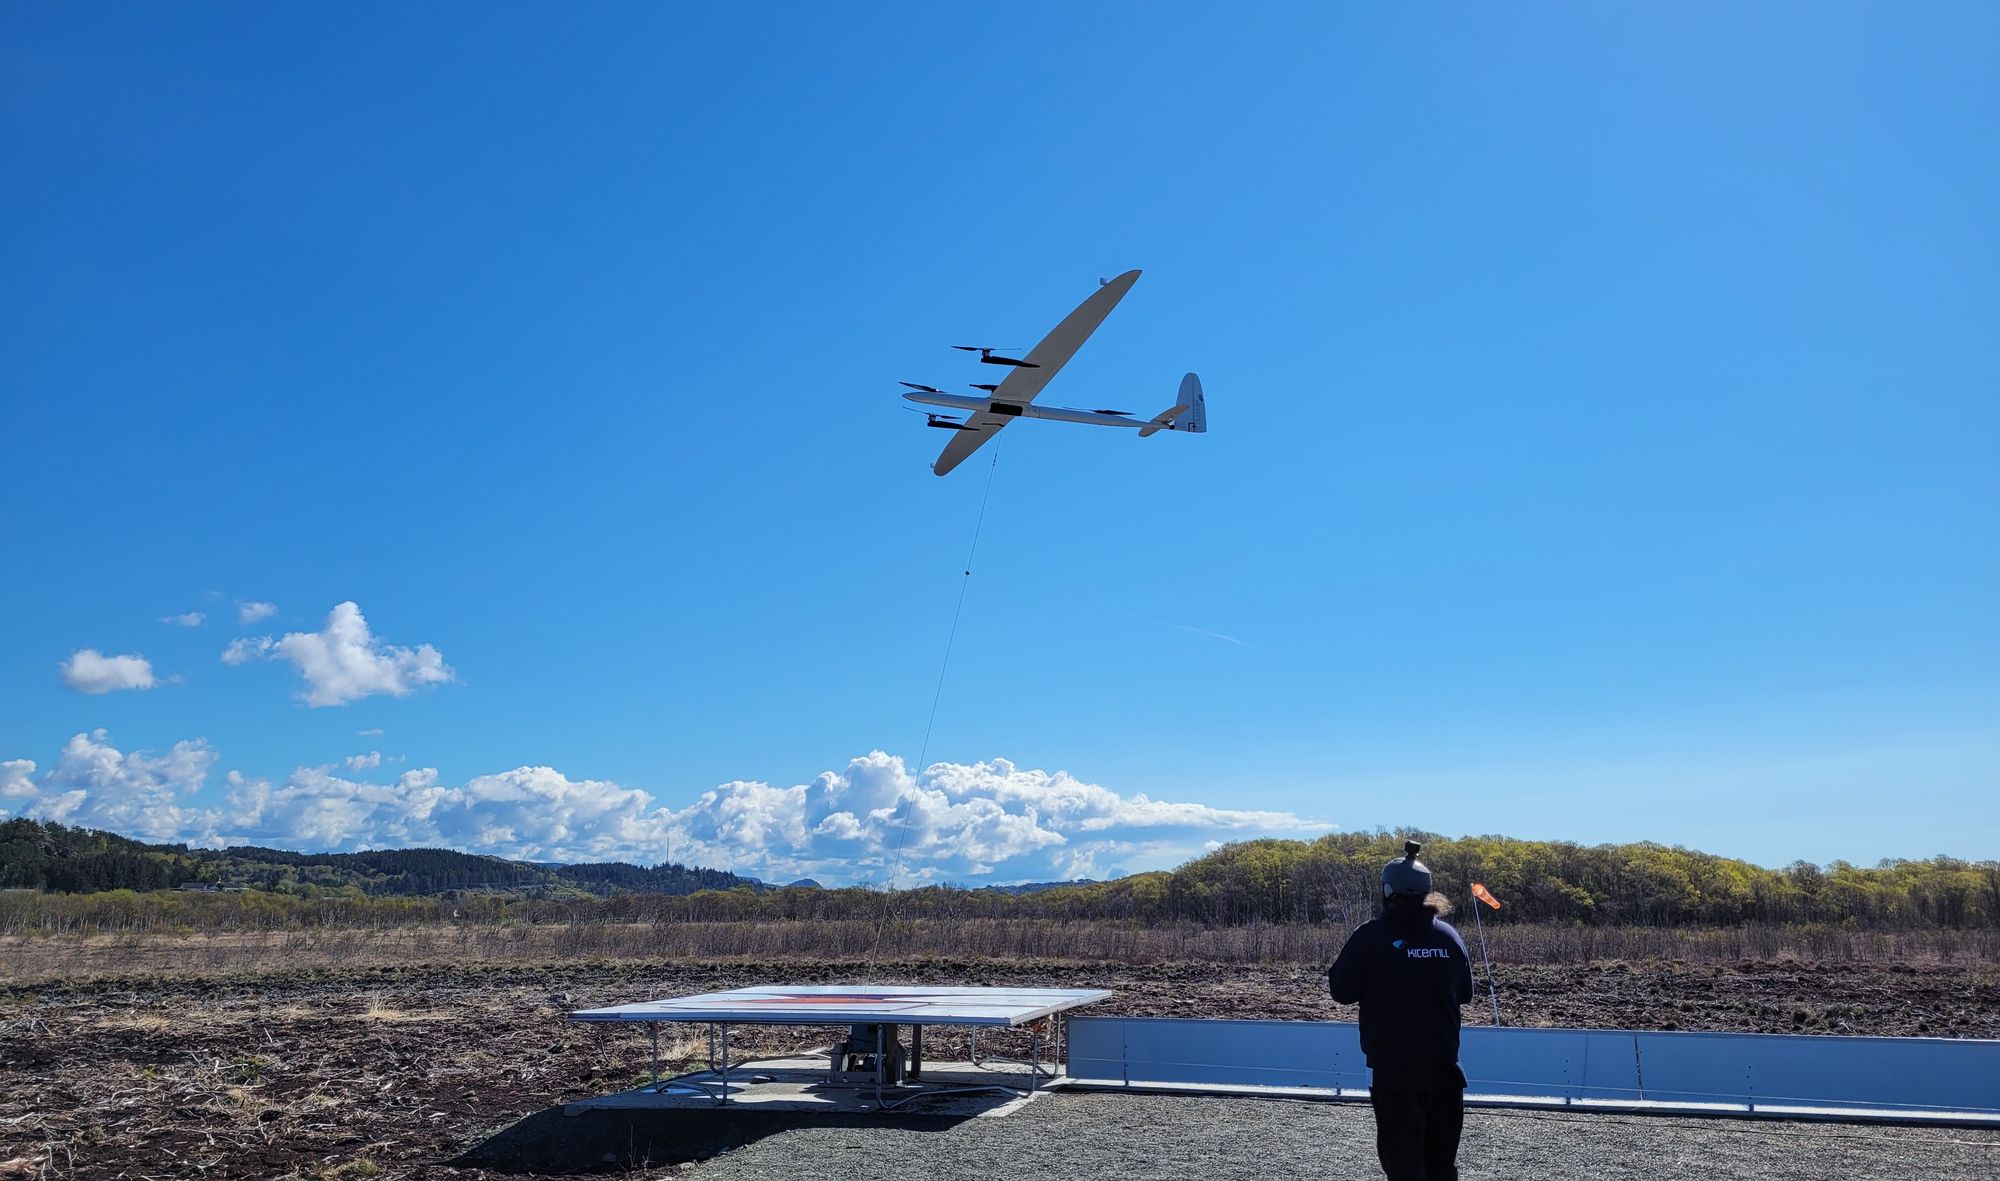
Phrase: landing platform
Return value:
(834, 1004)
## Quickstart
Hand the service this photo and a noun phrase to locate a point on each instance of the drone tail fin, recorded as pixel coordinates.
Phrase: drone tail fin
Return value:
(1195, 421)
(1189, 412)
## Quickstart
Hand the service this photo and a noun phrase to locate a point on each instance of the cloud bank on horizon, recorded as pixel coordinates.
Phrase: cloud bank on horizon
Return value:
(872, 822)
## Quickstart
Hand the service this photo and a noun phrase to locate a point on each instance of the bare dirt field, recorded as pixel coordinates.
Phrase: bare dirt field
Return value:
(391, 1071)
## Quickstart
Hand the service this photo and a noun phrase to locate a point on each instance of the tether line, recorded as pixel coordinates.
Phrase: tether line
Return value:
(923, 752)
(937, 694)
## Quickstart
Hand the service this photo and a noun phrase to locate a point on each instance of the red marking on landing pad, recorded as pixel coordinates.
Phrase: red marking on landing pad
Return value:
(820, 998)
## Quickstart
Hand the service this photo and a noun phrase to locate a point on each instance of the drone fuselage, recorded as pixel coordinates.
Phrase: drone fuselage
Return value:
(971, 405)
(1015, 397)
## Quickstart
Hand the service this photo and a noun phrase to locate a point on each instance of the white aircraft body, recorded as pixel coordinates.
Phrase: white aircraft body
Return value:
(1014, 397)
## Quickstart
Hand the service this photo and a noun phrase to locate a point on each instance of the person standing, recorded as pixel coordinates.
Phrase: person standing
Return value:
(1409, 972)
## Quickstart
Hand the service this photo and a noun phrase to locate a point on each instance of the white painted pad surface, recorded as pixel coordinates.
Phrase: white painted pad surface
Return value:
(838, 1004)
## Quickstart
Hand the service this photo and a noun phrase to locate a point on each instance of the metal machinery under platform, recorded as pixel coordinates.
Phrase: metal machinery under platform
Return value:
(874, 1067)
(799, 1085)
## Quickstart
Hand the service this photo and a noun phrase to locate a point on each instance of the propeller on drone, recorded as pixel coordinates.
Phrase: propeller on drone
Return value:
(922, 389)
(940, 421)
(986, 356)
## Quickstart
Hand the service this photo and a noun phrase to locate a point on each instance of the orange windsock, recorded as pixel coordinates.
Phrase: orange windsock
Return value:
(1484, 895)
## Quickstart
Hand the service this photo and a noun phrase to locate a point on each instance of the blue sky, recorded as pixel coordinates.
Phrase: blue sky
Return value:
(1604, 440)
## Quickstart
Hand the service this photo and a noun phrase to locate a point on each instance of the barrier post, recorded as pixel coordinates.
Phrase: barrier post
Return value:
(1479, 921)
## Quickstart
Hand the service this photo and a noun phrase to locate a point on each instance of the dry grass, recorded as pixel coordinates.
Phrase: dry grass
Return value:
(377, 1011)
(135, 1022)
(32, 958)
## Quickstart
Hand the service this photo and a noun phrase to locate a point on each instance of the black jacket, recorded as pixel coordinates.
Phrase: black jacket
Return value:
(1409, 976)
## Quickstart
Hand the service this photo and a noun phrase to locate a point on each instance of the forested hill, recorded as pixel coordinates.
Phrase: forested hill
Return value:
(1329, 880)
(1335, 879)
(35, 855)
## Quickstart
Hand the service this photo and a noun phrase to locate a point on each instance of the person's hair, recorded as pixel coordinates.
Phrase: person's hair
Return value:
(1432, 906)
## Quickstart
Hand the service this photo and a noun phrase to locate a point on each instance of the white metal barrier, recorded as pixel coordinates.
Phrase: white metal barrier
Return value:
(1917, 1080)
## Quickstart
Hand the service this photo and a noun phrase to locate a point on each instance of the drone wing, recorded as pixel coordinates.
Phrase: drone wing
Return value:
(982, 426)
(1049, 357)
(1061, 344)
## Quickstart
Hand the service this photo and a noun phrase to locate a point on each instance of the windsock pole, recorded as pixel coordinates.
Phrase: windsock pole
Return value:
(1479, 921)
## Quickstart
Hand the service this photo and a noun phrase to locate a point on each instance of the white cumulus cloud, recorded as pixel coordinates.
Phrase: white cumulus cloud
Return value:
(96, 785)
(344, 661)
(17, 779)
(184, 619)
(533, 813)
(248, 613)
(872, 821)
(91, 671)
(875, 821)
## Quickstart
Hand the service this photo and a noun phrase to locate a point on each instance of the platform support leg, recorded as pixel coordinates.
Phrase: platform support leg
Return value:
(1035, 1061)
(653, 1027)
(725, 1065)
(916, 1070)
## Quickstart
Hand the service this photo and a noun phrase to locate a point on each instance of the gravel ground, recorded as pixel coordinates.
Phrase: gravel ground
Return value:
(1076, 1137)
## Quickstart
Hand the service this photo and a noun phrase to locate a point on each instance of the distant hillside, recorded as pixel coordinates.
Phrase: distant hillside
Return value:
(1329, 880)
(79, 860)
(36, 855)
(1037, 887)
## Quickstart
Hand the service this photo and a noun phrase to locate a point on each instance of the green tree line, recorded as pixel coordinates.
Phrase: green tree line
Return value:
(1335, 879)
(43, 856)
(1328, 881)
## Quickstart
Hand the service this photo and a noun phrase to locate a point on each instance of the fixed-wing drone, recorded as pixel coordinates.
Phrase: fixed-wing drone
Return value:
(1014, 397)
